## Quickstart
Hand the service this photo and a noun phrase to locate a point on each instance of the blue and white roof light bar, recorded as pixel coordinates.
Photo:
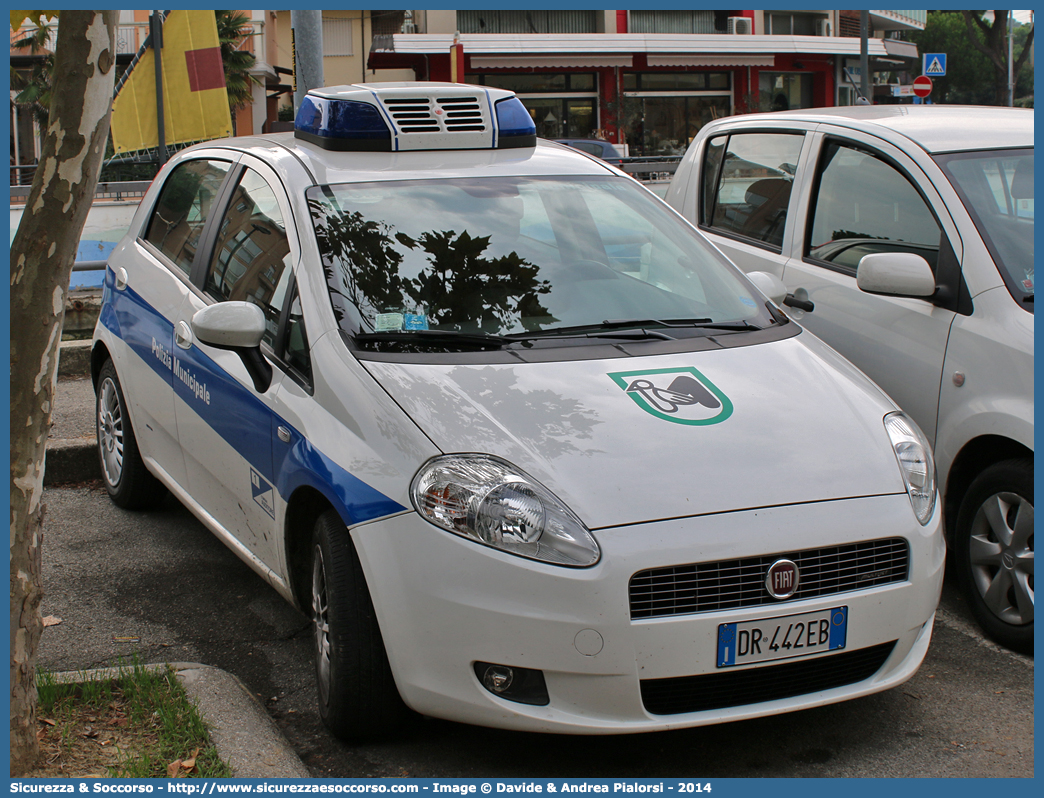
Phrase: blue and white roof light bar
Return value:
(393, 117)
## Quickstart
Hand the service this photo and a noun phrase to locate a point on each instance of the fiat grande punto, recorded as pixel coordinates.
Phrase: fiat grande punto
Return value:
(529, 451)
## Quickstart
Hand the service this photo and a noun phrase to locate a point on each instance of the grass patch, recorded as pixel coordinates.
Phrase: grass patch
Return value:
(139, 724)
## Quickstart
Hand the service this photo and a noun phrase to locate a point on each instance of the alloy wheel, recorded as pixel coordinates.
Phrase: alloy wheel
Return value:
(1001, 556)
(110, 432)
(321, 620)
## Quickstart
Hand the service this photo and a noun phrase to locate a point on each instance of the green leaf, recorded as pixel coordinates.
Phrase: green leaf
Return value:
(18, 18)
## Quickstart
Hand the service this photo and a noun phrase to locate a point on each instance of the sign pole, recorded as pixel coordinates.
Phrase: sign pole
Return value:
(156, 31)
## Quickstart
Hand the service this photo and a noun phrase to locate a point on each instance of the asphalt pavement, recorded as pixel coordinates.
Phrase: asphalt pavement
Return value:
(242, 731)
(158, 586)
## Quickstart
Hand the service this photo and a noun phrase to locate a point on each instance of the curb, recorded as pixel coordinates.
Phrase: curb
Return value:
(72, 459)
(74, 359)
(245, 737)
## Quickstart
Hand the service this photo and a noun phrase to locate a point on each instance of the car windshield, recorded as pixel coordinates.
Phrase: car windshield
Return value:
(481, 259)
(996, 187)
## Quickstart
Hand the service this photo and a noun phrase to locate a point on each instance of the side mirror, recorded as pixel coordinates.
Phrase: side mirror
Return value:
(770, 285)
(895, 274)
(237, 327)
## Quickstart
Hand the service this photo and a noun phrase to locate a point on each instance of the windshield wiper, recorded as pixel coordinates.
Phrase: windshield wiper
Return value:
(433, 337)
(566, 332)
(703, 324)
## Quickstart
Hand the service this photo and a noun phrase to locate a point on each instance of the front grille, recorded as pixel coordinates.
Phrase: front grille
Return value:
(735, 688)
(728, 584)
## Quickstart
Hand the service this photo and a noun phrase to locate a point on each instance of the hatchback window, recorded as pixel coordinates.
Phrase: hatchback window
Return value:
(182, 209)
(252, 252)
(747, 192)
(501, 256)
(865, 205)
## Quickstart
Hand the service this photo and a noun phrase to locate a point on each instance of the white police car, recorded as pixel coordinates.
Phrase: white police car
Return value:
(530, 451)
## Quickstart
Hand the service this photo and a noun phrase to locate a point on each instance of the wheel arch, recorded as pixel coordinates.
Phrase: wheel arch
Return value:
(99, 354)
(975, 457)
(303, 509)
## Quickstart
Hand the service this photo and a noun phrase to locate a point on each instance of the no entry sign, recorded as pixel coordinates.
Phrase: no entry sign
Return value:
(922, 86)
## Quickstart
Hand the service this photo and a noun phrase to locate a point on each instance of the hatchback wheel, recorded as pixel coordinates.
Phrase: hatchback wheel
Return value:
(128, 481)
(357, 694)
(994, 552)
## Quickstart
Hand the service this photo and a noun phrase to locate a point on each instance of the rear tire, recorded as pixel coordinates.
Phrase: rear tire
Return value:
(993, 550)
(128, 481)
(357, 695)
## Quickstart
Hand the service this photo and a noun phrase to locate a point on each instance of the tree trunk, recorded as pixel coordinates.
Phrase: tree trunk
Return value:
(995, 47)
(42, 256)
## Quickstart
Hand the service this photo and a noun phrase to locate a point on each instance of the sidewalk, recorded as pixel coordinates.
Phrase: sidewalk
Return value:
(245, 736)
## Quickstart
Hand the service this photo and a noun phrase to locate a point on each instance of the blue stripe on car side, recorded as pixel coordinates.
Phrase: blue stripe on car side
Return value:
(129, 317)
(301, 464)
(236, 413)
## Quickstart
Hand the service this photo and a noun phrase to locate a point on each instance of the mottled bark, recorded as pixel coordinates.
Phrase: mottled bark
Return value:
(42, 256)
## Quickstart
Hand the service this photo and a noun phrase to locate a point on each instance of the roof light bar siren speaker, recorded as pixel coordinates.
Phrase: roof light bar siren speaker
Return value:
(392, 117)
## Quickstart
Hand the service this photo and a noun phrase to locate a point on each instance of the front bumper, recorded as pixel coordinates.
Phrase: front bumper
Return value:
(444, 602)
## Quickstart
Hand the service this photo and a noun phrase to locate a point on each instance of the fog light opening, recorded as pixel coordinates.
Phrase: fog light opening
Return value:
(497, 678)
(522, 685)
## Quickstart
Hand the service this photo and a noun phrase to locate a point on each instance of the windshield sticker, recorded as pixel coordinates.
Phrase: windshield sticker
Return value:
(415, 321)
(682, 395)
(388, 321)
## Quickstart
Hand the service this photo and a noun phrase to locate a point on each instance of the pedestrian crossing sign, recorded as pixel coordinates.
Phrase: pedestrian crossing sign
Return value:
(934, 65)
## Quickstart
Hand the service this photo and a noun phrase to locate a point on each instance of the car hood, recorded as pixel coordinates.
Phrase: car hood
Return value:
(629, 440)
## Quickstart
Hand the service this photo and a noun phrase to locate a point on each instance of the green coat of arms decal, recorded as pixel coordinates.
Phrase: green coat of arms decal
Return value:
(681, 395)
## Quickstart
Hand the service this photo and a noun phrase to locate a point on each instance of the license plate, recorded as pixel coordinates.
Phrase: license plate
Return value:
(782, 638)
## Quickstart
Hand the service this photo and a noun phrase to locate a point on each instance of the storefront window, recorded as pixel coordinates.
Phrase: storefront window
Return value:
(779, 91)
(532, 83)
(666, 125)
(562, 118)
(663, 111)
(675, 81)
(556, 117)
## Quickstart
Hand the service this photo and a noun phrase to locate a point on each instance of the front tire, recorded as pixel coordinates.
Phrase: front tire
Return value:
(993, 548)
(128, 481)
(357, 694)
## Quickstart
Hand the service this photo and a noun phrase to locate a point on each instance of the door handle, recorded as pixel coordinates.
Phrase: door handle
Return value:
(792, 301)
(183, 335)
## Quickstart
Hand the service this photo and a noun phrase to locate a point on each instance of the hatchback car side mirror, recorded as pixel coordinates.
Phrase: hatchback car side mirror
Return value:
(895, 274)
(237, 327)
(770, 285)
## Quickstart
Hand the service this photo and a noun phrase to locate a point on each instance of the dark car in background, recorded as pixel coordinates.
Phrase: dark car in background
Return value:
(596, 147)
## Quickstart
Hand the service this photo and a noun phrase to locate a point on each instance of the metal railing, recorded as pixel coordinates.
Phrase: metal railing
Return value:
(112, 192)
(652, 167)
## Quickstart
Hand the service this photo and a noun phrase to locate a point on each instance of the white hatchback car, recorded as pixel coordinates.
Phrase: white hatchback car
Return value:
(905, 237)
(529, 450)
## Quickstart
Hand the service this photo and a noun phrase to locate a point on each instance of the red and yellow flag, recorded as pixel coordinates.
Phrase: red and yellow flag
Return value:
(195, 103)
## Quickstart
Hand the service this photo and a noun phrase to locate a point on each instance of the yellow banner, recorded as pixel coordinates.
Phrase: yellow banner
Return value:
(195, 103)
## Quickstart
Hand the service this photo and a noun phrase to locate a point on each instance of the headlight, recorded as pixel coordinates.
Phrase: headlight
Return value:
(486, 499)
(915, 461)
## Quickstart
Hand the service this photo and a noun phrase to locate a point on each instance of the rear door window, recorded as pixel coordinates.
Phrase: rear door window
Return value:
(746, 184)
(182, 209)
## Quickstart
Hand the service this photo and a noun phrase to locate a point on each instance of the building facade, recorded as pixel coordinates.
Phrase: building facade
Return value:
(649, 80)
(645, 80)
